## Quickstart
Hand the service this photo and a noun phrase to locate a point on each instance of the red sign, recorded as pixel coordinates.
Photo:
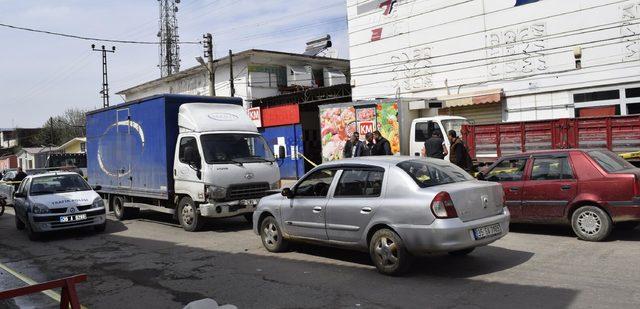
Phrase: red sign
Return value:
(365, 127)
(376, 34)
(255, 116)
(280, 115)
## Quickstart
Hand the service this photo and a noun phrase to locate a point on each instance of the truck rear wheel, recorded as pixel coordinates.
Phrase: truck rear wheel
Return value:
(120, 211)
(189, 216)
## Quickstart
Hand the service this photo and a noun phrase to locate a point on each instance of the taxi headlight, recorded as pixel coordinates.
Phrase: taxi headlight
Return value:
(40, 209)
(97, 203)
(216, 193)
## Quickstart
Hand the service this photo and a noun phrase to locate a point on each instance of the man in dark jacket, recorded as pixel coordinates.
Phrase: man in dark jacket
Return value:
(21, 175)
(458, 154)
(368, 145)
(354, 147)
(382, 146)
(434, 146)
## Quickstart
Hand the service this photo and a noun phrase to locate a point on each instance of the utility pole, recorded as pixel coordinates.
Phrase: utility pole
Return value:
(105, 80)
(233, 88)
(208, 53)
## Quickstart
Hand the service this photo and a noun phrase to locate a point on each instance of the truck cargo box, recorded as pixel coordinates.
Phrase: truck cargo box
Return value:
(620, 134)
(130, 147)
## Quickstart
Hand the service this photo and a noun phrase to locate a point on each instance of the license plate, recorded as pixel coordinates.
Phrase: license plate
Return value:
(487, 231)
(249, 202)
(72, 218)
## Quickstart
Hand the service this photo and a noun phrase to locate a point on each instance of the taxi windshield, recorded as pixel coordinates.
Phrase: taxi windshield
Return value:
(58, 183)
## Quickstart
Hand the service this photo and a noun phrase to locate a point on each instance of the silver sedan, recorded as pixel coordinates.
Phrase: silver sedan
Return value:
(393, 207)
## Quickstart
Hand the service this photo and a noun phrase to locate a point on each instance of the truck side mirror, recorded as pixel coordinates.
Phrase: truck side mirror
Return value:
(97, 188)
(281, 152)
(287, 192)
(191, 157)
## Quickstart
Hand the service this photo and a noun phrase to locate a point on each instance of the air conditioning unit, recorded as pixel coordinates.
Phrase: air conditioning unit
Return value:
(333, 77)
(299, 75)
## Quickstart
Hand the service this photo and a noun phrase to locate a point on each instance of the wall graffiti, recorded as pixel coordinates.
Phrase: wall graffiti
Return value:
(630, 31)
(517, 51)
(412, 70)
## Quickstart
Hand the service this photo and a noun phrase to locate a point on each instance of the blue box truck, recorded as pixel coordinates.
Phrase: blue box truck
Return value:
(190, 156)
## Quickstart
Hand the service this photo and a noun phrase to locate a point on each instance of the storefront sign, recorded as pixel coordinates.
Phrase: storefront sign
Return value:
(255, 115)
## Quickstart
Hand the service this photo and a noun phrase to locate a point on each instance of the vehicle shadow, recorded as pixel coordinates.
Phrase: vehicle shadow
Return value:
(483, 260)
(82, 232)
(566, 231)
(218, 225)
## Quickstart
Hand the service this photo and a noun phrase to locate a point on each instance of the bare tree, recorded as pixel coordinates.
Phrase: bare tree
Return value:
(60, 129)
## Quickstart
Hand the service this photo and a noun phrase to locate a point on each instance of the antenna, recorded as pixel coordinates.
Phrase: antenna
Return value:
(169, 39)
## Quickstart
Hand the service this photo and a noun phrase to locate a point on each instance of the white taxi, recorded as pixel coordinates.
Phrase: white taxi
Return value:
(57, 201)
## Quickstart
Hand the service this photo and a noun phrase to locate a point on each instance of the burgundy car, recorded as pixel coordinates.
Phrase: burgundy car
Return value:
(593, 190)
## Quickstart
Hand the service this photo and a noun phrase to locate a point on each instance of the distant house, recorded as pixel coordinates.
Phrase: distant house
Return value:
(76, 145)
(31, 157)
(18, 137)
(8, 162)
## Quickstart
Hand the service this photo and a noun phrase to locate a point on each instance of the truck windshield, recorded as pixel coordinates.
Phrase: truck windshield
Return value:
(58, 183)
(454, 124)
(235, 148)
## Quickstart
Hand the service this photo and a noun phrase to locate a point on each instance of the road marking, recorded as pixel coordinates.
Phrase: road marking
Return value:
(53, 295)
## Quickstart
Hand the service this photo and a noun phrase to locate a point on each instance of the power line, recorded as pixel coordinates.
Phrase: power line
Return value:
(73, 36)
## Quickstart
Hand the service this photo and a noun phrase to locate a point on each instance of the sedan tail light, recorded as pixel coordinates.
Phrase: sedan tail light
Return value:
(442, 206)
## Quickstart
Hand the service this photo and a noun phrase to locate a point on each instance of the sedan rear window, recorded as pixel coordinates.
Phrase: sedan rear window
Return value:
(609, 161)
(427, 173)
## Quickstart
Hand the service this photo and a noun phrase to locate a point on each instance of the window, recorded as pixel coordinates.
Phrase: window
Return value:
(632, 92)
(423, 132)
(83, 147)
(600, 111)
(58, 183)
(609, 161)
(23, 186)
(551, 169)
(596, 96)
(316, 185)
(188, 144)
(428, 174)
(508, 170)
(633, 109)
(360, 183)
(235, 148)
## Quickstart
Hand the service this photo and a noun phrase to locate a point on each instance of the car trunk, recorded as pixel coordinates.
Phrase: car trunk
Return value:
(475, 199)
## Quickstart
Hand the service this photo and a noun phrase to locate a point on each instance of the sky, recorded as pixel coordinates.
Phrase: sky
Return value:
(42, 76)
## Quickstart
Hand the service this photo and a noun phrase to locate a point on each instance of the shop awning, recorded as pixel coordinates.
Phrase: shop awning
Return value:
(472, 98)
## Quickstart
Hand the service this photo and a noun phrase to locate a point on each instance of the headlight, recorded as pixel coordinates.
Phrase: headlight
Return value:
(97, 203)
(216, 193)
(39, 209)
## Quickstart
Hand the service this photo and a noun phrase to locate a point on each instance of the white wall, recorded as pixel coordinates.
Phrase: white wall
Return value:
(487, 44)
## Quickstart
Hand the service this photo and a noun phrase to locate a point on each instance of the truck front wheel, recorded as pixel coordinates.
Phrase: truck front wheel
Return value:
(120, 211)
(189, 216)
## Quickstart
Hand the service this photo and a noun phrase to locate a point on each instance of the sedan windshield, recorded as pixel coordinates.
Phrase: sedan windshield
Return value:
(58, 183)
(235, 148)
(427, 173)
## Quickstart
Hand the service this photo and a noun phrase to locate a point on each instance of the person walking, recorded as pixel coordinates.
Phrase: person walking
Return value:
(382, 146)
(354, 147)
(434, 146)
(21, 175)
(459, 155)
(368, 145)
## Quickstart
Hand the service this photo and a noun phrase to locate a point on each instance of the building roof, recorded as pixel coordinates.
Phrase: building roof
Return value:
(77, 139)
(241, 55)
(34, 150)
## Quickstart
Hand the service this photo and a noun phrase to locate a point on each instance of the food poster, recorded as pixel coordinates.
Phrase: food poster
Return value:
(337, 123)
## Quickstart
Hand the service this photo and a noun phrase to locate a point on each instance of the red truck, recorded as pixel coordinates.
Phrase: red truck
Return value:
(620, 134)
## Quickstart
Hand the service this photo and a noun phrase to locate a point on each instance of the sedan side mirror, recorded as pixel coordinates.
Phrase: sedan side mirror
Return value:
(287, 192)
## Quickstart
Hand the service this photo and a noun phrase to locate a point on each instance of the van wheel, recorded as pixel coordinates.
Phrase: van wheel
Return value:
(271, 236)
(19, 223)
(388, 253)
(120, 211)
(189, 216)
(591, 223)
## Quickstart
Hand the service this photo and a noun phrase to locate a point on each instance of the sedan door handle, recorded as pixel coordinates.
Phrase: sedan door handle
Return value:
(317, 209)
(565, 187)
(366, 210)
(514, 189)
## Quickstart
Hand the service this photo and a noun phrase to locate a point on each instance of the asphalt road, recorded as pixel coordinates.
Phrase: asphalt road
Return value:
(152, 263)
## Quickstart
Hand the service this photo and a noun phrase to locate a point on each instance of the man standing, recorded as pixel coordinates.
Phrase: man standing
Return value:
(368, 145)
(458, 154)
(382, 146)
(434, 146)
(354, 147)
(21, 175)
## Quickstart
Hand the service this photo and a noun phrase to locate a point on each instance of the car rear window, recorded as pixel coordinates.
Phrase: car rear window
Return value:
(609, 161)
(428, 173)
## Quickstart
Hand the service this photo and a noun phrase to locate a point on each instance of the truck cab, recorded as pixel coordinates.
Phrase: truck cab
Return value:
(423, 128)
